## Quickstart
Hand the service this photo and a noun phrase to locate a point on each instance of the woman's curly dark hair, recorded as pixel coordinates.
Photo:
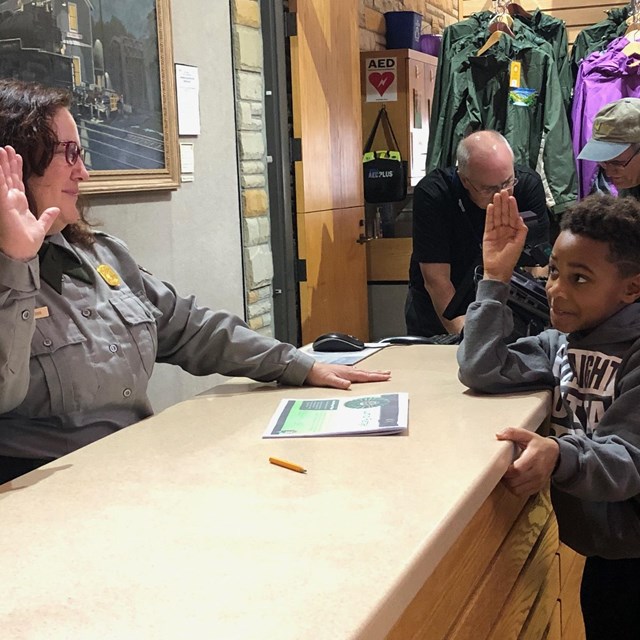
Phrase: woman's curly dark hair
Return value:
(615, 221)
(27, 110)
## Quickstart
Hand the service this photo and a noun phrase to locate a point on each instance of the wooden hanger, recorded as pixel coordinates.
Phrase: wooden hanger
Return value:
(498, 26)
(501, 22)
(632, 34)
(633, 21)
(633, 26)
(515, 9)
(493, 38)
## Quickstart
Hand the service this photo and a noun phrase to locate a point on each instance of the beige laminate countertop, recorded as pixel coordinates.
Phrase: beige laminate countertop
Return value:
(178, 527)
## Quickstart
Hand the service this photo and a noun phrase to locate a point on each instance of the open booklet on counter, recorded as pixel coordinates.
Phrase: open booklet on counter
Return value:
(381, 414)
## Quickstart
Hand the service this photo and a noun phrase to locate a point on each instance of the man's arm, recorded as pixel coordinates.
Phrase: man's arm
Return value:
(437, 282)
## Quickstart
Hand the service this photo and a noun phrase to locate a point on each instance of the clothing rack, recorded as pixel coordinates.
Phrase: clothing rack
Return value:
(579, 14)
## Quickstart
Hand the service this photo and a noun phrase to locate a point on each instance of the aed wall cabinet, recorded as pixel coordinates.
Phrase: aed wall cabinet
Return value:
(402, 80)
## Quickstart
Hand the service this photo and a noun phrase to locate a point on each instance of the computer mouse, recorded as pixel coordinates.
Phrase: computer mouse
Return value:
(337, 342)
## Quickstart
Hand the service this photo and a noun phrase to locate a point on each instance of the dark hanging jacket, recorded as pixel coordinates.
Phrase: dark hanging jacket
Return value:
(474, 94)
(598, 36)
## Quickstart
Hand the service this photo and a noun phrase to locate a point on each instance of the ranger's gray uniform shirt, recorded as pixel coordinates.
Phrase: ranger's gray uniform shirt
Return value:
(75, 367)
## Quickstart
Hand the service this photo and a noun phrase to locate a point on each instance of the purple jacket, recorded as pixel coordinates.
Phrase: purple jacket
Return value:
(604, 76)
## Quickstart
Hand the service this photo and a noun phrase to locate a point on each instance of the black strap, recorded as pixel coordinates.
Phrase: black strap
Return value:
(457, 305)
(381, 114)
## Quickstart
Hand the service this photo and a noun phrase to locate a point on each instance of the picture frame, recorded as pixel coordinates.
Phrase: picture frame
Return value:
(116, 58)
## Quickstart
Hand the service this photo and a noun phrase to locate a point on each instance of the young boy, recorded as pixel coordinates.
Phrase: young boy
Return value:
(591, 362)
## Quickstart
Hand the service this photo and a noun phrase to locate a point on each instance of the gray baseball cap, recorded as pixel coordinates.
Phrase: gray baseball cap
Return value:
(615, 128)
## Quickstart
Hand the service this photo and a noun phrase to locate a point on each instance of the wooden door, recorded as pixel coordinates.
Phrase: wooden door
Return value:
(328, 178)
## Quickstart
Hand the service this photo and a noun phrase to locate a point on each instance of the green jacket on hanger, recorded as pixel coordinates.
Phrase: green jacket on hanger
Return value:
(474, 94)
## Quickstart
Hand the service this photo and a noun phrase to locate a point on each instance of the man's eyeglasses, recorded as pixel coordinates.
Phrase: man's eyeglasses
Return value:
(621, 163)
(489, 191)
(72, 151)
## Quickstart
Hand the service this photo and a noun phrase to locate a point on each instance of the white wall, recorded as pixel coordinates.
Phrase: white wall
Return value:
(191, 237)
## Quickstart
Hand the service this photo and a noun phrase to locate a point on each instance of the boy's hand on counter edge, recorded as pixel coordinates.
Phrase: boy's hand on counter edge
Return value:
(530, 473)
(340, 376)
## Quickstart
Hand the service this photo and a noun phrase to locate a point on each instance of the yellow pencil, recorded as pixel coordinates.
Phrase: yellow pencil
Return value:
(287, 465)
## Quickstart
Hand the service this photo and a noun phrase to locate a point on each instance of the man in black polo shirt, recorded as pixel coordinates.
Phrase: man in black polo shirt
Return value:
(448, 222)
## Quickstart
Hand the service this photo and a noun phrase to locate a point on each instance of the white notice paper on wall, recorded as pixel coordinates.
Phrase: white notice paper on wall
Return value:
(186, 161)
(188, 94)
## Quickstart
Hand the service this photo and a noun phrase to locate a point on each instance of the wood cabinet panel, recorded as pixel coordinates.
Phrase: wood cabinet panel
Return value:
(334, 296)
(544, 604)
(388, 259)
(501, 579)
(433, 610)
(571, 565)
(501, 602)
(573, 626)
(327, 119)
(554, 628)
(529, 585)
(326, 105)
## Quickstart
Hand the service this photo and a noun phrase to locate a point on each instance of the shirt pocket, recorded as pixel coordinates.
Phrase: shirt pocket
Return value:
(62, 378)
(139, 320)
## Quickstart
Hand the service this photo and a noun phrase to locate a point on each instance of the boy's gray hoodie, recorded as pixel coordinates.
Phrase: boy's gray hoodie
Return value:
(595, 414)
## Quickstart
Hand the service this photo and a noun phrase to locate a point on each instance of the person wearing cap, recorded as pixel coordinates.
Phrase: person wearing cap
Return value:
(615, 145)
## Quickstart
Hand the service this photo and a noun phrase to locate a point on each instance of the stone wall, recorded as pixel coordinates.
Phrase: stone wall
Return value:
(436, 15)
(256, 234)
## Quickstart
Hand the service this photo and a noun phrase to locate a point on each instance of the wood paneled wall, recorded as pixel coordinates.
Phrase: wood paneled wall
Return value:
(577, 14)
(327, 118)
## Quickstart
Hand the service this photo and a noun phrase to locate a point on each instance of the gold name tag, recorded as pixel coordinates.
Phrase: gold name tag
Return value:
(109, 275)
(41, 312)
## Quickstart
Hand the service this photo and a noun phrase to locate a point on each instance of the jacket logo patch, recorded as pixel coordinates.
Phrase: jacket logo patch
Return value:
(523, 97)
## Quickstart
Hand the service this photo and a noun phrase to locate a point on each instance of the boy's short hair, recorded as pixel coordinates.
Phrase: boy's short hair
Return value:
(615, 221)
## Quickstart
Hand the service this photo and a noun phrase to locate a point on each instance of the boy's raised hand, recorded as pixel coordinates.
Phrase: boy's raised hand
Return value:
(503, 239)
(21, 233)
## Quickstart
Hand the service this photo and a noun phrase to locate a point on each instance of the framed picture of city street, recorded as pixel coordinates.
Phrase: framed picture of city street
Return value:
(115, 57)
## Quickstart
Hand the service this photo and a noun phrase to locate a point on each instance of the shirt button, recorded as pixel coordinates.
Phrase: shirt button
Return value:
(126, 393)
(26, 314)
(86, 313)
(113, 348)
(47, 342)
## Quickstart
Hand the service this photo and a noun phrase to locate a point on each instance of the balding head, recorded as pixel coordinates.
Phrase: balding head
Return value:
(483, 146)
(485, 160)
